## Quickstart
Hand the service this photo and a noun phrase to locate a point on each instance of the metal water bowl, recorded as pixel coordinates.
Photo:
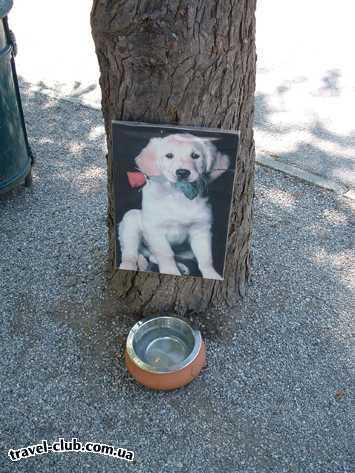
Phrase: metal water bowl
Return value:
(164, 352)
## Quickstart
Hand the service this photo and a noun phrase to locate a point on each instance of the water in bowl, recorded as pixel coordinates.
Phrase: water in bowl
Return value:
(162, 348)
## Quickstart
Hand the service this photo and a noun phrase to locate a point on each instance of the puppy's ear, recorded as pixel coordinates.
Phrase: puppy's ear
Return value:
(219, 166)
(216, 162)
(148, 158)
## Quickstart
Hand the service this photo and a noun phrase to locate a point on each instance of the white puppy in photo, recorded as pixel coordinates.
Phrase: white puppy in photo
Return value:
(175, 207)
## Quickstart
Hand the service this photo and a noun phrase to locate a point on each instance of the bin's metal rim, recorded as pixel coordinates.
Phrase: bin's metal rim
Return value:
(14, 180)
(145, 366)
(5, 7)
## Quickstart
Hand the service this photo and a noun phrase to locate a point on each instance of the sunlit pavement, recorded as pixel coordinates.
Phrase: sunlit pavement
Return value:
(305, 81)
(306, 86)
(56, 52)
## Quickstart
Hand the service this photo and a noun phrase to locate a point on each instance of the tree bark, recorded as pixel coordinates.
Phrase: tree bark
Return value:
(190, 63)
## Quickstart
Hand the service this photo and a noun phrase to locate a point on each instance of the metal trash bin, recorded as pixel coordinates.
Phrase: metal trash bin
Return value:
(16, 158)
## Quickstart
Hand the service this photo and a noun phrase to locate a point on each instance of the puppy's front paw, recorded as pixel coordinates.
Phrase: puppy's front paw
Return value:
(211, 274)
(142, 263)
(183, 269)
(129, 265)
(170, 270)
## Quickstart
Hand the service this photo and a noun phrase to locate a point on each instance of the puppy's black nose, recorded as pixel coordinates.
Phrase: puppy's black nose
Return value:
(182, 173)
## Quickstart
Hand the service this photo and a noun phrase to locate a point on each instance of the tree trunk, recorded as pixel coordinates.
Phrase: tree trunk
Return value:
(190, 63)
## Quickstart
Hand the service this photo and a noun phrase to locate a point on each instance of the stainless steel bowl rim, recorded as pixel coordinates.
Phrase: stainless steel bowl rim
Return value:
(146, 366)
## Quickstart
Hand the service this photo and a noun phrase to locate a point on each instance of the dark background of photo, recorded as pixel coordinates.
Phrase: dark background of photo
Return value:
(128, 140)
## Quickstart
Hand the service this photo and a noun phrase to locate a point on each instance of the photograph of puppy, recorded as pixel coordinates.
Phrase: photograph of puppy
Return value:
(173, 188)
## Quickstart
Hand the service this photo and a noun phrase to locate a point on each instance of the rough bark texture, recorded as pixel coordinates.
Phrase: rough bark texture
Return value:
(191, 63)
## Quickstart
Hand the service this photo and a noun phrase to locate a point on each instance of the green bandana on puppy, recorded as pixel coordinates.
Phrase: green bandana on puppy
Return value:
(192, 189)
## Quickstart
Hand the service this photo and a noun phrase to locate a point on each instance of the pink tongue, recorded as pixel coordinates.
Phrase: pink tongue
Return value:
(136, 179)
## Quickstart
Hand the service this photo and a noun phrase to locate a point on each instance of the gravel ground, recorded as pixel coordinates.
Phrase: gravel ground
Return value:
(275, 396)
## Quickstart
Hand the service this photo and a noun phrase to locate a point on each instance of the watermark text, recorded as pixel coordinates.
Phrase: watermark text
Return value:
(73, 445)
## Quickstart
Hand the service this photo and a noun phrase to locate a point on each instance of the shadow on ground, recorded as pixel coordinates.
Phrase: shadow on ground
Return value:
(295, 123)
(276, 393)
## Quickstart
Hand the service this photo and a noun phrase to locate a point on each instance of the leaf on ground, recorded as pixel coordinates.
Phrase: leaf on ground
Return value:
(339, 394)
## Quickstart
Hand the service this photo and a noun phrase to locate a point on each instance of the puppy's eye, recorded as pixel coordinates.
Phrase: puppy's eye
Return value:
(194, 155)
(169, 155)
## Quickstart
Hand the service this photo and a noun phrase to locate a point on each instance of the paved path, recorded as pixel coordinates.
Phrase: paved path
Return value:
(305, 86)
(305, 81)
(56, 50)
(276, 395)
